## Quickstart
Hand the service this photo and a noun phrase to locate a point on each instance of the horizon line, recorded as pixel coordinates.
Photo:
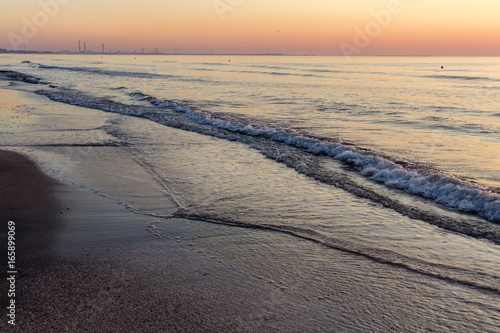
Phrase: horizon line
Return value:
(119, 52)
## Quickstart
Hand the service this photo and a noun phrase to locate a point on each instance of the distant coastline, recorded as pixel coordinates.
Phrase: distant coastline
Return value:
(67, 52)
(141, 53)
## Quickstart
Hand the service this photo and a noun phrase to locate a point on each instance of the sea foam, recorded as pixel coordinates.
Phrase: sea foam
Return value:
(443, 188)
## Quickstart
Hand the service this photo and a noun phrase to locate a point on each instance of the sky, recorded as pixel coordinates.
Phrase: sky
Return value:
(313, 27)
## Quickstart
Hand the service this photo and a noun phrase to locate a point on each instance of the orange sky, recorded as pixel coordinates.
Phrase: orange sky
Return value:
(322, 27)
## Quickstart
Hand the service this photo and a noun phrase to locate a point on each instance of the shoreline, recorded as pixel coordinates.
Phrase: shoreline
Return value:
(129, 279)
(102, 266)
(109, 266)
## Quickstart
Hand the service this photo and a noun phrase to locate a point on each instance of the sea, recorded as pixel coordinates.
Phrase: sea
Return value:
(395, 160)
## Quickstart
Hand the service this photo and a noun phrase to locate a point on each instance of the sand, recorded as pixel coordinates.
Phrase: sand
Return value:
(25, 195)
(80, 272)
(120, 283)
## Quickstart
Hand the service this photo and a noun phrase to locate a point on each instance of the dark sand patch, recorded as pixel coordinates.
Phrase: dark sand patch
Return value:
(26, 198)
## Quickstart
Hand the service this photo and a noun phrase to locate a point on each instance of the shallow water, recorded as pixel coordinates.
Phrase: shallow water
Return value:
(404, 106)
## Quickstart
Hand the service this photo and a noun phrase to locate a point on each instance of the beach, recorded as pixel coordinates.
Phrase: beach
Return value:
(88, 268)
(106, 276)
(115, 282)
(87, 263)
(125, 224)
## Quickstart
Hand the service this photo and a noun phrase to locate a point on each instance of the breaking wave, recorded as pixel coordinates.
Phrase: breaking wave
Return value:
(445, 189)
(294, 148)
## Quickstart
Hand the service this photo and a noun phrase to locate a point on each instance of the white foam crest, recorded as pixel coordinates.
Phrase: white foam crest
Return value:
(444, 189)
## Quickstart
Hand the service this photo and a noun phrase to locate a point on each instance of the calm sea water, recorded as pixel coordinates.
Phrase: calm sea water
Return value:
(392, 159)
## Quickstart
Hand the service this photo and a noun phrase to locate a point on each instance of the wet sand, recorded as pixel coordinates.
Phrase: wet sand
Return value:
(26, 194)
(117, 283)
(79, 273)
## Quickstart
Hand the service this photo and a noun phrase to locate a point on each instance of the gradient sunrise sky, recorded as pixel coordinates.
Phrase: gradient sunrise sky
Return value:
(315, 27)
